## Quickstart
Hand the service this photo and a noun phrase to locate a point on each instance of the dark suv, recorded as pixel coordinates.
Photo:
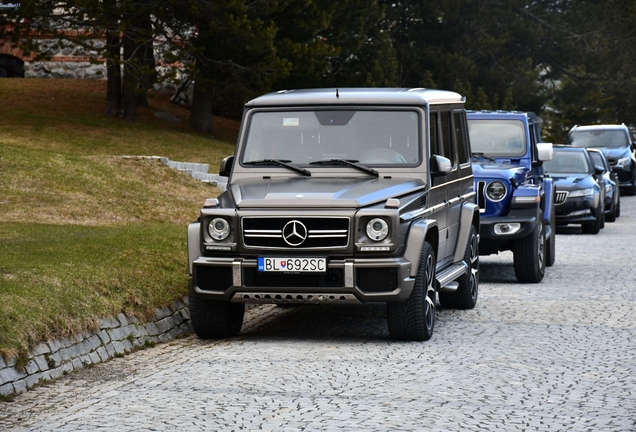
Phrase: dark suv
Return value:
(616, 143)
(341, 196)
(515, 197)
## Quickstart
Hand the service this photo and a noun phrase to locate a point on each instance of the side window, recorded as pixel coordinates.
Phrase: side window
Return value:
(447, 133)
(460, 134)
(434, 140)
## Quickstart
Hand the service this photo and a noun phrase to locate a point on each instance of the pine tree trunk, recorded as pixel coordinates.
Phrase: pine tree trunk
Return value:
(113, 60)
(201, 111)
(130, 87)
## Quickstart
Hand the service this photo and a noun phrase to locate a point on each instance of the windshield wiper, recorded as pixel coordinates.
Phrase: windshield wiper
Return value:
(482, 155)
(350, 162)
(279, 162)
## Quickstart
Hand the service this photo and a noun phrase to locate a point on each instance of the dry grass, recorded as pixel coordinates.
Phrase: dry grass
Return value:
(85, 233)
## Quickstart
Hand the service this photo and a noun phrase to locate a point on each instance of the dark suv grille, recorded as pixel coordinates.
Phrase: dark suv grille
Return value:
(297, 233)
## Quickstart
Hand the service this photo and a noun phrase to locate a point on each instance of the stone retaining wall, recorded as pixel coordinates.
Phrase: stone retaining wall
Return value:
(115, 337)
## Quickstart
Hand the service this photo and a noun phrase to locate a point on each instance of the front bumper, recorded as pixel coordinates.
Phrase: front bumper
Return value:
(577, 211)
(526, 218)
(352, 280)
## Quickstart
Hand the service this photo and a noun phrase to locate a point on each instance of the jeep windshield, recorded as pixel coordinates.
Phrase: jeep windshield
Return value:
(599, 138)
(334, 138)
(497, 138)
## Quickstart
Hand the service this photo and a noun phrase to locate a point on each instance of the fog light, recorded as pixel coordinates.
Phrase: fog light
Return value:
(507, 228)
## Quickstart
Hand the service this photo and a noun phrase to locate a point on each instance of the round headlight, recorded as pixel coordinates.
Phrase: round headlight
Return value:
(219, 229)
(377, 229)
(496, 191)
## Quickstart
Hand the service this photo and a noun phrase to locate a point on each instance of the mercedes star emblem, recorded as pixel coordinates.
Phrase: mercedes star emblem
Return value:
(294, 233)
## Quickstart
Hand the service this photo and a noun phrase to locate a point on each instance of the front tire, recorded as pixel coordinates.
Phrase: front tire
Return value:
(465, 297)
(529, 255)
(413, 319)
(213, 319)
(594, 227)
(550, 243)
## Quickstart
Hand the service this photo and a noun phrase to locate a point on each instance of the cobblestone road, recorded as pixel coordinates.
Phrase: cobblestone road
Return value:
(557, 356)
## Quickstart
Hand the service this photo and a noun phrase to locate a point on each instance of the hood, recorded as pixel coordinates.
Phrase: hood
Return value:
(615, 153)
(306, 192)
(573, 181)
(498, 170)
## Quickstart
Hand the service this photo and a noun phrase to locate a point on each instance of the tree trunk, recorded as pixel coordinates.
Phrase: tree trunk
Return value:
(113, 62)
(132, 74)
(201, 111)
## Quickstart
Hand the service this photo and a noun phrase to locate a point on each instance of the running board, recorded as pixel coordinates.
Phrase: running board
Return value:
(446, 277)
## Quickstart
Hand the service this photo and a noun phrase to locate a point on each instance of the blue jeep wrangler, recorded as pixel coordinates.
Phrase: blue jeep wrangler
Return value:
(514, 195)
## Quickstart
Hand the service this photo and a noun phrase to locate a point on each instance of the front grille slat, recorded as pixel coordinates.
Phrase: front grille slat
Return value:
(321, 232)
(561, 197)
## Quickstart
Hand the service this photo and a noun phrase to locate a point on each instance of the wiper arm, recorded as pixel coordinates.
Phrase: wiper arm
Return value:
(350, 162)
(280, 162)
(482, 155)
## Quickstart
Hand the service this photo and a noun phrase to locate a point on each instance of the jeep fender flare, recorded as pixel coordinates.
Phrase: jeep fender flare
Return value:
(194, 242)
(469, 216)
(420, 231)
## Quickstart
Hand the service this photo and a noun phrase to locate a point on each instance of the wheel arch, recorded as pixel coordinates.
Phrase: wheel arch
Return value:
(420, 231)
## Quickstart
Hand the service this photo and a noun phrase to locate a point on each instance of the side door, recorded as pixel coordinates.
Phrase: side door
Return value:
(437, 192)
(448, 138)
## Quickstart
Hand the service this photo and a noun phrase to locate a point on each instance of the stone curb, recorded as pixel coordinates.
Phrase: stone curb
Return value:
(115, 337)
(198, 171)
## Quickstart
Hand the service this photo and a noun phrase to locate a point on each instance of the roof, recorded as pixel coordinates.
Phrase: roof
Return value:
(501, 113)
(600, 127)
(357, 96)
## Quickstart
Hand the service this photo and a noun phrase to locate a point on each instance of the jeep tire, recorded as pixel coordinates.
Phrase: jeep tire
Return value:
(465, 297)
(215, 319)
(529, 254)
(413, 319)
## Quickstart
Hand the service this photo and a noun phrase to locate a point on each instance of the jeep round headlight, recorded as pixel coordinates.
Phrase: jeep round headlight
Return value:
(496, 191)
(377, 229)
(219, 229)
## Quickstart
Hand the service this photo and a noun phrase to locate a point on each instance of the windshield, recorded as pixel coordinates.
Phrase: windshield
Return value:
(566, 161)
(599, 138)
(497, 138)
(304, 136)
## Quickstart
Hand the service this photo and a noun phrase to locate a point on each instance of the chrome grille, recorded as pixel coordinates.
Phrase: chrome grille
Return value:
(481, 195)
(313, 232)
(561, 197)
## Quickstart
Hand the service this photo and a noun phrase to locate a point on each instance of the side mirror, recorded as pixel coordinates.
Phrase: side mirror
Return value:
(617, 168)
(440, 166)
(226, 166)
(545, 151)
(598, 170)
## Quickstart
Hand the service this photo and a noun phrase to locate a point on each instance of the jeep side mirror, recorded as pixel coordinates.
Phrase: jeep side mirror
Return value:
(226, 166)
(545, 151)
(617, 168)
(440, 165)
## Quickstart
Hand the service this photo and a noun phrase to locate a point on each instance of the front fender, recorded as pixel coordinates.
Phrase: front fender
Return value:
(548, 186)
(418, 232)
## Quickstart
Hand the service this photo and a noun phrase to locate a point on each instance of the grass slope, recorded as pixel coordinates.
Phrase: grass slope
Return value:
(84, 233)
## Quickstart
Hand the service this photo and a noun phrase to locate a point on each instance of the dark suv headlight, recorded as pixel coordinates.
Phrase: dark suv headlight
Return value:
(377, 229)
(219, 229)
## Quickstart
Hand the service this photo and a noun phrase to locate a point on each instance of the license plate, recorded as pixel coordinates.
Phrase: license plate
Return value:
(293, 265)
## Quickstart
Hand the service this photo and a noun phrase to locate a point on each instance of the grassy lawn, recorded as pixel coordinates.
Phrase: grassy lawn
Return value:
(84, 233)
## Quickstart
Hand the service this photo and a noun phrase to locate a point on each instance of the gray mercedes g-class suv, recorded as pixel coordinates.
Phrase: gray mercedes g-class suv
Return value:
(340, 196)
